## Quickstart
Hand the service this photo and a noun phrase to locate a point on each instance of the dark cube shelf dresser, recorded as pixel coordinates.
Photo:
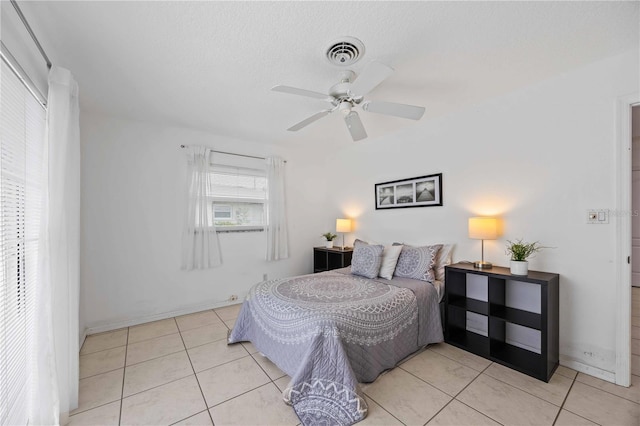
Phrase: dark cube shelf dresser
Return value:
(509, 319)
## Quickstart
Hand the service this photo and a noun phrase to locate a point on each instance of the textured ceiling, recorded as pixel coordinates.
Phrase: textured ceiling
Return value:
(210, 65)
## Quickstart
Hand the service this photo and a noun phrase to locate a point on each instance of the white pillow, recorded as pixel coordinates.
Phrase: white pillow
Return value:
(389, 259)
(442, 259)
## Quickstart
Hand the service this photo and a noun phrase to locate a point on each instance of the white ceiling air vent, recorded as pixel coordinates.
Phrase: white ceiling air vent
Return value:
(345, 51)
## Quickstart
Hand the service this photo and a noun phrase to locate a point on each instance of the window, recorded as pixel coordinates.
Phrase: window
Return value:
(22, 126)
(238, 197)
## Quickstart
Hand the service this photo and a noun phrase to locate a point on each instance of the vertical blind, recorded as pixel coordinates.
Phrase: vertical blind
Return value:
(22, 130)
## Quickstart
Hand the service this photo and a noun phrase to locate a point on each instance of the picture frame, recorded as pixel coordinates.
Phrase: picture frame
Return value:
(422, 191)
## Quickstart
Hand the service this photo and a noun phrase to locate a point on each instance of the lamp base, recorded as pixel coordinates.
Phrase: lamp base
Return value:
(482, 265)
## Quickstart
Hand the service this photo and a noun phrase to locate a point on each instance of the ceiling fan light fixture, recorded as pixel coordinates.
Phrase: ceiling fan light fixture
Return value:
(345, 107)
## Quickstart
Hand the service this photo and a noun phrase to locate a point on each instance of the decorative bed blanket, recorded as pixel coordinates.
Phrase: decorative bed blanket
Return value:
(330, 331)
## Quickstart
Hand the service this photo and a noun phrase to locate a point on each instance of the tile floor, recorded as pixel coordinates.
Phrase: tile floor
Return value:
(180, 371)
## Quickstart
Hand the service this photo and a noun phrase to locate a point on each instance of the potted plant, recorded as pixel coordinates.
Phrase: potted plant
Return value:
(520, 251)
(329, 237)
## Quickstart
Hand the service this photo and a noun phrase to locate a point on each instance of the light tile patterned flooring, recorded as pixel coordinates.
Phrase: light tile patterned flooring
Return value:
(181, 371)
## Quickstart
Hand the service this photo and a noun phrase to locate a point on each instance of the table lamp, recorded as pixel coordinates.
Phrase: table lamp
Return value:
(483, 228)
(342, 226)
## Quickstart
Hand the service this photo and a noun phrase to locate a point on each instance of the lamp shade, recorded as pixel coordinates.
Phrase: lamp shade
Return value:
(343, 225)
(483, 228)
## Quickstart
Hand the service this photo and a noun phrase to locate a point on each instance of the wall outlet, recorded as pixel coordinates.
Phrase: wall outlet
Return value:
(265, 277)
(233, 298)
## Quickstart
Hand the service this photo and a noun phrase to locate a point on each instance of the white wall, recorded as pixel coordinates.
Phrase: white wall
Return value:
(133, 185)
(538, 158)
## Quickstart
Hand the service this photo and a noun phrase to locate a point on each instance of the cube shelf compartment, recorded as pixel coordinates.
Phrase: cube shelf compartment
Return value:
(521, 317)
(326, 259)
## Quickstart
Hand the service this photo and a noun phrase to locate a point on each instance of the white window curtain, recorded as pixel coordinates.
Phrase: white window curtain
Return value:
(55, 343)
(277, 237)
(200, 245)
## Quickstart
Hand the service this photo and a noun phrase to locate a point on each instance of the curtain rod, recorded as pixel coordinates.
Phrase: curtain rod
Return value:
(31, 33)
(19, 72)
(233, 153)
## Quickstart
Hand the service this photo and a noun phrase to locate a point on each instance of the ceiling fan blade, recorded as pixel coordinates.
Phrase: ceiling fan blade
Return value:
(301, 92)
(307, 121)
(355, 126)
(372, 75)
(391, 108)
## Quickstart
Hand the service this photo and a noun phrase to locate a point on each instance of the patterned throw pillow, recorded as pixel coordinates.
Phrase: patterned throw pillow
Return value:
(366, 259)
(417, 262)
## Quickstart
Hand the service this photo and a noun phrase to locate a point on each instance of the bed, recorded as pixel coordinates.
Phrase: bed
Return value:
(332, 330)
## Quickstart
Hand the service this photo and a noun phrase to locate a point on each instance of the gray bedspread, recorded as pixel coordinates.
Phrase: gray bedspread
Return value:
(330, 331)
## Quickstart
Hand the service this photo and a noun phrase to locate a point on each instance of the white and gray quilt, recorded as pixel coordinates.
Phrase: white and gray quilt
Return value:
(330, 331)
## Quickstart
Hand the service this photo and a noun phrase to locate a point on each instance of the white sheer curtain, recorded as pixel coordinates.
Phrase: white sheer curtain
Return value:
(55, 385)
(200, 245)
(277, 237)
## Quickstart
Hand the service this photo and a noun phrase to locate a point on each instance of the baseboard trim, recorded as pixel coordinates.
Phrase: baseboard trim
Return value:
(83, 337)
(115, 325)
(591, 371)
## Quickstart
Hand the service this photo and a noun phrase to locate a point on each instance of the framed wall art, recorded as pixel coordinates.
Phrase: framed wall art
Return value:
(423, 191)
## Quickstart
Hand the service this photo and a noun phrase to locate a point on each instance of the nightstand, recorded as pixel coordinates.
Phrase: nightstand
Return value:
(326, 259)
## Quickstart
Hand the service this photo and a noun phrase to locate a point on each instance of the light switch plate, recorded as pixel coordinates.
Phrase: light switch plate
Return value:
(597, 216)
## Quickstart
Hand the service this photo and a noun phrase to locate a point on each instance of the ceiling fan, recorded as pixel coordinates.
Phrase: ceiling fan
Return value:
(349, 93)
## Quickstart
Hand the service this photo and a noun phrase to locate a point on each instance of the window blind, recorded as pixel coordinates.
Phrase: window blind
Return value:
(234, 183)
(238, 196)
(22, 129)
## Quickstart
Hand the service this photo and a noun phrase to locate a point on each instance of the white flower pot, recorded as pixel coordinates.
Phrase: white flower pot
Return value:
(519, 267)
(328, 244)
